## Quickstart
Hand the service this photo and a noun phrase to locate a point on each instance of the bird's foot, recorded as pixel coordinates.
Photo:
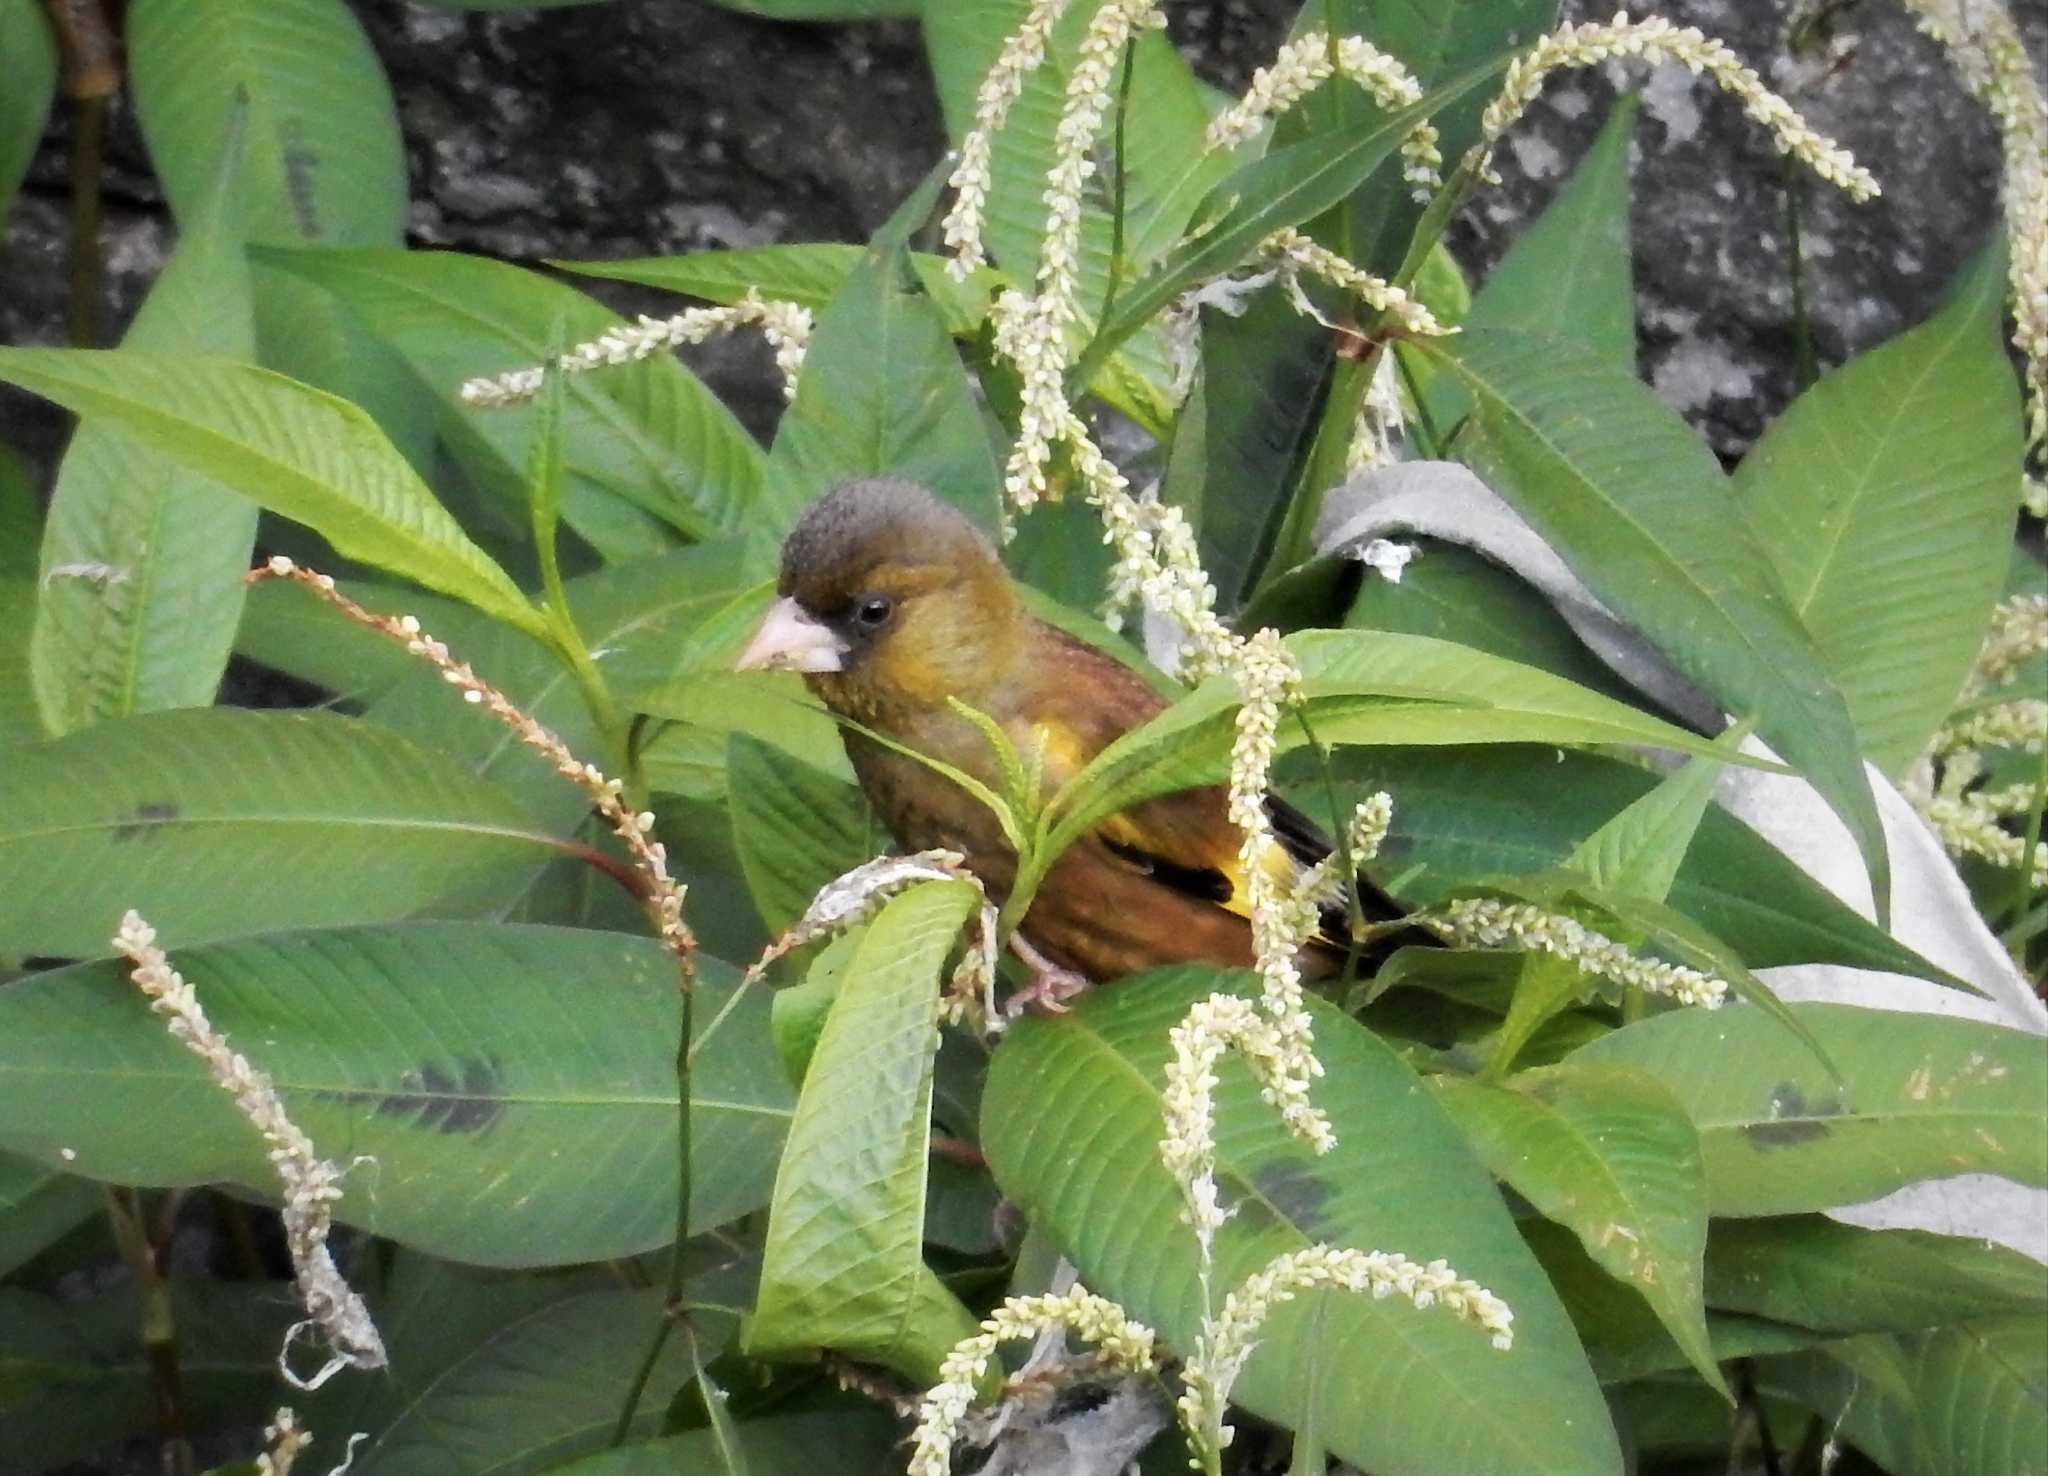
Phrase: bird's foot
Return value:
(1051, 986)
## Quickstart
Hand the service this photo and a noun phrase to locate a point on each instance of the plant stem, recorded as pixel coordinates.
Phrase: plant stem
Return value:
(674, 1307)
(1340, 835)
(544, 505)
(2023, 884)
(1805, 364)
(1431, 439)
(82, 301)
(90, 77)
(1119, 187)
(158, 1327)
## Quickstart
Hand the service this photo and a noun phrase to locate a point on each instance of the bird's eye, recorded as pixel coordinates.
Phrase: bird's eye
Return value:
(873, 612)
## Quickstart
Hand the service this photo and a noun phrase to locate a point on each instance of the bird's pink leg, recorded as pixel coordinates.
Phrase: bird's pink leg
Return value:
(1051, 986)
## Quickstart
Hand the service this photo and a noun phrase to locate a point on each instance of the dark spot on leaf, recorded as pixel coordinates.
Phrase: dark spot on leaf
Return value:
(1298, 1193)
(138, 822)
(1792, 1119)
(300, 165)
(437, 1100)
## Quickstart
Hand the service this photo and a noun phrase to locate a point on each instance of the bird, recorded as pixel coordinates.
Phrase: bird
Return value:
(890, 601)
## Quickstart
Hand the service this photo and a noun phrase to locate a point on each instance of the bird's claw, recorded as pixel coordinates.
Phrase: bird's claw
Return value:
(1051, 986)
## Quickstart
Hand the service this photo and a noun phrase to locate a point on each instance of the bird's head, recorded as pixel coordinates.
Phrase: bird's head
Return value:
(891, 601)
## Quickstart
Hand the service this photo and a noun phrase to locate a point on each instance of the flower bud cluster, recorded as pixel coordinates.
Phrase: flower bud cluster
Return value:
(1656, 40)
(786, 325)
(1120, 1343)
(1484, 922)
(312, 1184)
(1306, 63)
(1227, 1339)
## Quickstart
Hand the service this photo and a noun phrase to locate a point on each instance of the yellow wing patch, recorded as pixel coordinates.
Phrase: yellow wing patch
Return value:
(1227, 868)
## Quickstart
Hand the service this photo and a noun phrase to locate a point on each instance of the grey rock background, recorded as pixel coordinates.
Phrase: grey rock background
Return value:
(643, 127)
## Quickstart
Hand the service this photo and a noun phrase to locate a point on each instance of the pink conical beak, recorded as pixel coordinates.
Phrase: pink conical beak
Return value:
(790, 640)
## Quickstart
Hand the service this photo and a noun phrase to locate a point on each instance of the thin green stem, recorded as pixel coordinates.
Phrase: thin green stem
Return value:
(1340, 833)
(673, 1306)
(639, 1384)
(1423, 429)
(2023, 883)
(1119, 187)
(544, 506)
(158, 1327)
(1805, 363)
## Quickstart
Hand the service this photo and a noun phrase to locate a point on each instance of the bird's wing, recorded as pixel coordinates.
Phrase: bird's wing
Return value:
(1185, 841)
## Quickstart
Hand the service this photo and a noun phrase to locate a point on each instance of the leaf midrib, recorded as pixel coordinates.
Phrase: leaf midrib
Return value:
(1880, 445)
(325, 822)
(1600, 497)
(352, 1092)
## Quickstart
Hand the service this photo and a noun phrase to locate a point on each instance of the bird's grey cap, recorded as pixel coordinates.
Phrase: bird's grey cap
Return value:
(860, 524)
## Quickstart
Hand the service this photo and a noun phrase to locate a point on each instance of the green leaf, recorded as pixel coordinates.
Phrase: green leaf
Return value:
(808, 273)
(1462, 815)
(1570, 273)
(1241, 431)
(31, 54)
(21, 515)
(1676, 1423)
(1071, 1123)
(1635, 503)
(1955, 1401)
(634, 616)
(648, 434)
(1819, 1273)
(1608, 1153)
(545, 1389)
(217, 821)
(799, 1011)
(324, 162)
(646, 620)
(1883, 497)
(20, 719)
(843, 1265)
(1166, 168)
(705, 711)
(1454, 593)
(503, 1126)
(1672, 934)
(510, 4)
(39, 1206)
(432, 1314)
(1166, 171)
(1922, 1096)
(289, 629)
(1544, 988)
(852, 1441)
(1639, 850)
(142, 558)
(315, 459)
(75, 1381)
(826, 10)
(1625, 1340)
(795, 827)
(1437, 40)
(883, 393)
(1285, 188)
(1359, 687)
